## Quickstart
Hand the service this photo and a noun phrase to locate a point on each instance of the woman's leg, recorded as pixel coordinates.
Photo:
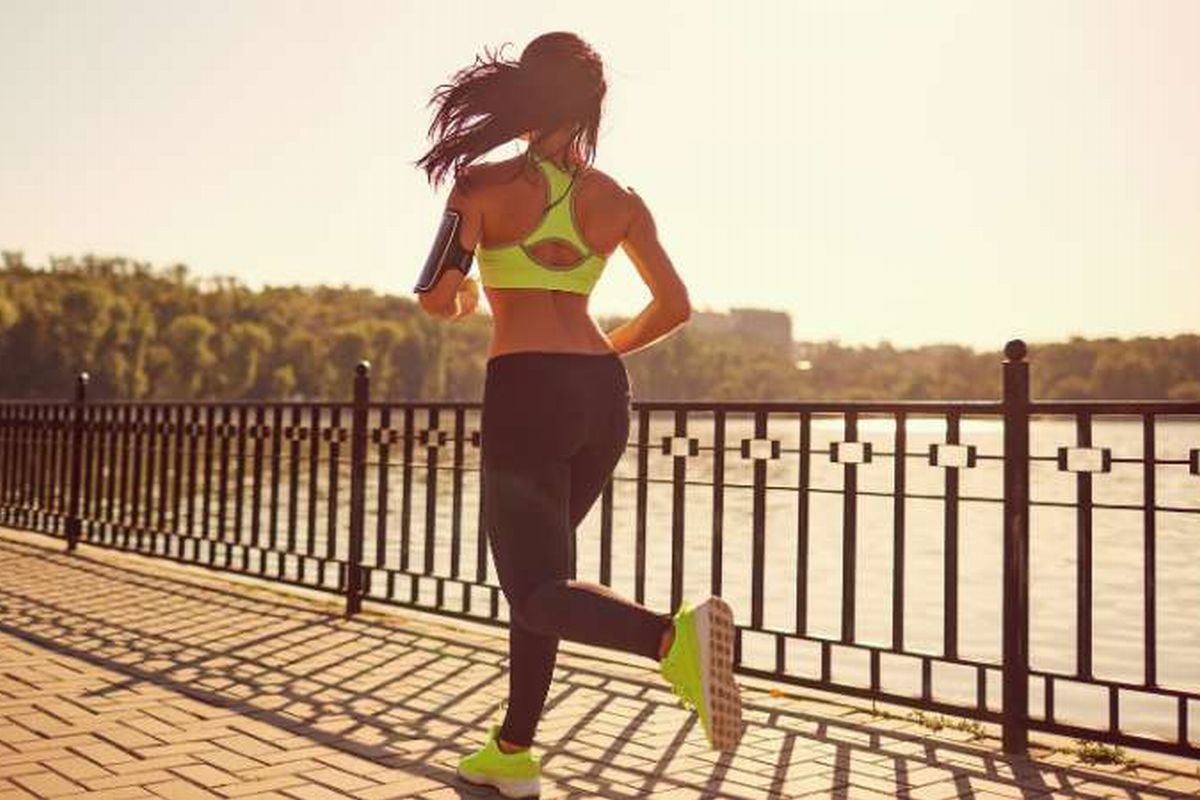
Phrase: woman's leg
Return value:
(527, 512)
(554, 427)
(525, 509)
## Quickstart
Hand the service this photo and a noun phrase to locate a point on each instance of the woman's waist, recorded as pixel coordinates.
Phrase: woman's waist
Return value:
(570, 330)
(536, 370)
(555, 359)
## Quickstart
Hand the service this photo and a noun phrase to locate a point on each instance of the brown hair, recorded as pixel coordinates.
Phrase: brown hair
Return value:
(557, 82)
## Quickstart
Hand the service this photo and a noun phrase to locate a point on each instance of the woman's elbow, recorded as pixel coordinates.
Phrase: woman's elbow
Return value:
(679, 307)
(430, 305)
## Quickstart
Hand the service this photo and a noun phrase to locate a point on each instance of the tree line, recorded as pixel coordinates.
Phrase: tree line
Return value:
(147, 333)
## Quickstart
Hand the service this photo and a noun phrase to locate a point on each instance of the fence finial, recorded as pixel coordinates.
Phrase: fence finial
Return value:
(1015, 350)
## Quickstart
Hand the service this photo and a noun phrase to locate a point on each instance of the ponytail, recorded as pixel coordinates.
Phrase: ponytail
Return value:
(558, 80)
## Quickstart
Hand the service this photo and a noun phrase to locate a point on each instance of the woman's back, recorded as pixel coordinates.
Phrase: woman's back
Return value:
(511, 196)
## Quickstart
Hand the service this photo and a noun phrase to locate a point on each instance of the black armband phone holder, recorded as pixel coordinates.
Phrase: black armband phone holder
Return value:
(447, 253)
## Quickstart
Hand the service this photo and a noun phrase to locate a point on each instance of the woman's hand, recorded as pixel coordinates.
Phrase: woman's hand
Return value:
(467, 297)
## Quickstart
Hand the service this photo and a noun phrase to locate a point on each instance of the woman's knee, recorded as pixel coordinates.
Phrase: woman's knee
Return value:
(540, 610)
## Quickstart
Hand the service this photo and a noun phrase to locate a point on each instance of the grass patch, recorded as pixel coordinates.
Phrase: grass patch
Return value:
(934, 722)
(1098, 753)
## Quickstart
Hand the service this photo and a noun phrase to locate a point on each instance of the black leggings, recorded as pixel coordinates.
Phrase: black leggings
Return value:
(554, 426)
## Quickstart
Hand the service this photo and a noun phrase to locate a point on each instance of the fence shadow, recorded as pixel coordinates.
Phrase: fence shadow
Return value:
(414, 695)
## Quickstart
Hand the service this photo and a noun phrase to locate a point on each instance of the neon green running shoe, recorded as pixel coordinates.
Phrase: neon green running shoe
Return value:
(512, 774)
(699, 667)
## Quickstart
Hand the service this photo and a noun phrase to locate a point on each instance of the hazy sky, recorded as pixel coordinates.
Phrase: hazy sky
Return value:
(916, 172)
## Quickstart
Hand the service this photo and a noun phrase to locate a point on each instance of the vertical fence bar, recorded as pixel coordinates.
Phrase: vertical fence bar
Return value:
(210, 413)
(1083, 554)
(73, 523)
(164, 473)
(276, 434)
(11, 460)
(16, 472)
(53, 428)
(177, 476)
(899, 487)
(293, 483)
(1149, 557)
(33, 450)
(21, 471)
(643, 466)
(802, 518)
(358, 487)
(758, 526)
(381, 437)
(718, 501)
(1016, 549)
(88, 480)
(483, 524)
(20, 463)
(12, 456)
(406, 481)
(32, 422)
(122, 514)
(456, 495)
(25, 455)
(239, 480)
(606, 532)
(224, 433)
(65, 441)
(106, 443)
(135, 484)
(193, 446)
(5, 410)
(314, 478)
(678, 507)
(151, 466)
(62, 471)
(260, 432)
(950, 556)
(333, 434)
(480, 528)
(5, 458)
(849, 534)
(59, 434)
(433, 435)
(37, 487)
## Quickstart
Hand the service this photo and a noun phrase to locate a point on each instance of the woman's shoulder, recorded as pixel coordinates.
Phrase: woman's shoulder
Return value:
(492, 174)
(488, 182)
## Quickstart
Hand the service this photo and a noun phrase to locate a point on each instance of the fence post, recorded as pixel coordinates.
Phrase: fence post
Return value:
(358, 486)
(73, 524)
(1016, 549)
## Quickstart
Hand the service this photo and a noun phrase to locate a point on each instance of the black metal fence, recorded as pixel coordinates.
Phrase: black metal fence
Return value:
(880, 549)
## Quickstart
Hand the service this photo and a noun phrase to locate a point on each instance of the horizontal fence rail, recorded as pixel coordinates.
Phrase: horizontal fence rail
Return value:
(1021, 562)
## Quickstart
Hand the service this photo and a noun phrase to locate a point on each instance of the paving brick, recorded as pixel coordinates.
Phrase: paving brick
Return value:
(181, 790)
(46, 784)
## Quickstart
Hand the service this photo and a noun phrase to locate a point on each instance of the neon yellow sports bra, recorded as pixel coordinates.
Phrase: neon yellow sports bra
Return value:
(514, 266)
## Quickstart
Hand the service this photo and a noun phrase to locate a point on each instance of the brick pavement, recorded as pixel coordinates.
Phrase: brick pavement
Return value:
(125, 677)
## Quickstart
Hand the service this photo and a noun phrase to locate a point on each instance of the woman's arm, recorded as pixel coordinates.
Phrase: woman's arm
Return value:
(669, 306)
(455, 294)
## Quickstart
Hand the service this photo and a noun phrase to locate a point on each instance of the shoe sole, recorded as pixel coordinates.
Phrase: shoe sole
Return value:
(722, 699)
(513, 788)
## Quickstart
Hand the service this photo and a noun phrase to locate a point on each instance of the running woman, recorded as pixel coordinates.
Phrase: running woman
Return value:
(556, 398)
